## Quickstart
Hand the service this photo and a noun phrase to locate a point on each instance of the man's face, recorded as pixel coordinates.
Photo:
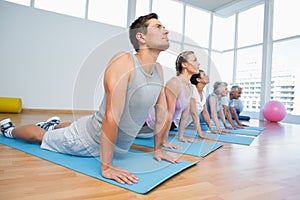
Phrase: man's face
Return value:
(157, 35)
(237, 94)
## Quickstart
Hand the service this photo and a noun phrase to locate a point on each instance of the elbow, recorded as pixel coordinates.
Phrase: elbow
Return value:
(109, 118)
(194, 114)
(169, 118)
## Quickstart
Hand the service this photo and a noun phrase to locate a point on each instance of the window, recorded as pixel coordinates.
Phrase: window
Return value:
(223, 33)
(168, 58)
(74, 8)
(142, 8)
(112, 12)
(223, 62)
(286, 74)
(286, 18)
(22, 2)
(250, 26)
(249, 65)
(172, 22)
(197, 27)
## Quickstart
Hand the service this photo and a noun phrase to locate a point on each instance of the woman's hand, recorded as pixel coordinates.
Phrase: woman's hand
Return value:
(171, 146)
(207, 136)
(228, 127)
(120, 175)
(160, 155)
(186, 139)
(214, 131)
(224, 131)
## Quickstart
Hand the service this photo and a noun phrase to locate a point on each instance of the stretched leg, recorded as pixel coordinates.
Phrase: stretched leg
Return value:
(29, 133)
(33, 133)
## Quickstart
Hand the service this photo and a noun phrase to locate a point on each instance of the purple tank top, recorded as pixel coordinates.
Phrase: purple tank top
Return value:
(182, 102)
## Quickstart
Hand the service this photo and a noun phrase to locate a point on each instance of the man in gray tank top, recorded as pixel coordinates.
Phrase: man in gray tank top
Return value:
(133, 85)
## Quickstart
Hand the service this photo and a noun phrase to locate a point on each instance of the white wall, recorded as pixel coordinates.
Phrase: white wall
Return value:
(54, 61)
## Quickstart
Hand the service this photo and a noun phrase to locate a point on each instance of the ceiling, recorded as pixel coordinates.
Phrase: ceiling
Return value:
(223, 8)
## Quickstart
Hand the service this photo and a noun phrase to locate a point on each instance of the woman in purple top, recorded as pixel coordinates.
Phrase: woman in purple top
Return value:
(178, 94)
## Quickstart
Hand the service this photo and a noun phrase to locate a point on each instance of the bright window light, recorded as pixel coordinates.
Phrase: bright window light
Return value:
(74, 8)
(112, 12)
(22, 2)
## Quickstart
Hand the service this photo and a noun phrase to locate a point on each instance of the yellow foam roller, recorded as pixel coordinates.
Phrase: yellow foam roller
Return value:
(10, 105)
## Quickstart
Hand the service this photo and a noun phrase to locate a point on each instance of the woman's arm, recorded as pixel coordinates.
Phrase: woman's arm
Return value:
(206, 118)
(172, 91)
(162, 125)
(195, 117)
(228, 117)
(214, 114)
(222, 116)
(182, 124)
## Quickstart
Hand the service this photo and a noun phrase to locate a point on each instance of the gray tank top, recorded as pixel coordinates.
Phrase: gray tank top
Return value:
(142, 95)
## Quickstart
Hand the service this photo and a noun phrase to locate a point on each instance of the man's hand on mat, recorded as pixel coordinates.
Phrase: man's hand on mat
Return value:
(160, 155)
(239, 126)
(120, 175)
(171, 145)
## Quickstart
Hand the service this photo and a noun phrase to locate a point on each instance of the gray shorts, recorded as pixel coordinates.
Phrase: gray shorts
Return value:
(71, 140)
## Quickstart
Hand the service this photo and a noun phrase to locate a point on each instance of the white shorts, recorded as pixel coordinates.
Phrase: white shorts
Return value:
(71, 140)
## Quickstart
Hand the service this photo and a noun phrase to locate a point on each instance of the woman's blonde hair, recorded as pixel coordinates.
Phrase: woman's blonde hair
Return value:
(181, 58)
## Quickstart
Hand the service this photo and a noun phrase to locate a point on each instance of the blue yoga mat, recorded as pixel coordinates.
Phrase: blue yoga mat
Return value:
(198, 148)
(247, 128)
(254, 128)
(150, 172)
(253, 131)
(243, 131)
(228, 138)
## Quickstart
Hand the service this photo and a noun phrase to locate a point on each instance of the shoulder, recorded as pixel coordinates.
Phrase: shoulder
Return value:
(225, 101)
(121, 62)
(173, 85)
(195, 93)
(174, 81)
(121, 57)
(212, 97)
(119, 67)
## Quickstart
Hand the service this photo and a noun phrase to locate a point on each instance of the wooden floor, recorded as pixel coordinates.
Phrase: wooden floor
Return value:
(267, 169)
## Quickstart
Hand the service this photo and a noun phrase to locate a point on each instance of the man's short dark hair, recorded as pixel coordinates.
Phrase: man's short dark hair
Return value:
(140, 25)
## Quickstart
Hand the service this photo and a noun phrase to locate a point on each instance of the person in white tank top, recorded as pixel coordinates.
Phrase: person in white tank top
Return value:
(199, 81)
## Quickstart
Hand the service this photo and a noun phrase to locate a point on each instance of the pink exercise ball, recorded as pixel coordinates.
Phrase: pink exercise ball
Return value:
(274, 111)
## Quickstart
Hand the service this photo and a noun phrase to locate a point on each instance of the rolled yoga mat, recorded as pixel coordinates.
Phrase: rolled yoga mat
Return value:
(10, 105)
